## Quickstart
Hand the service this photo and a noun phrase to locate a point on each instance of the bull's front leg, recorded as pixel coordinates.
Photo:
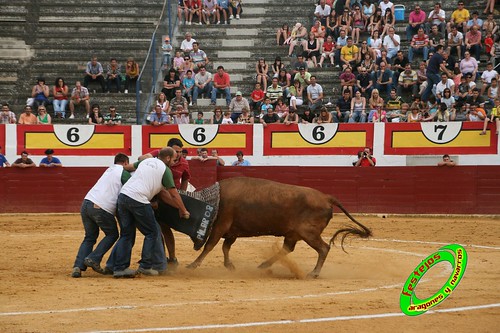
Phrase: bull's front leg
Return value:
(213, 239)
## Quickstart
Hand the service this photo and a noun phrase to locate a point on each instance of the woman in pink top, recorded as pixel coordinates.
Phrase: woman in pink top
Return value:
(468, 65)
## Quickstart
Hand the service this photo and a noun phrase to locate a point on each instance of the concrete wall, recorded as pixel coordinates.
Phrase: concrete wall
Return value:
(412, 190)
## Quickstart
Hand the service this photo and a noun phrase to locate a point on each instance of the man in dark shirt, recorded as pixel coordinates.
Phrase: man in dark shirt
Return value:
(269, 118)
(364, 82)
(384, 79)
(398, 65)
(343, 109)
(434, 68)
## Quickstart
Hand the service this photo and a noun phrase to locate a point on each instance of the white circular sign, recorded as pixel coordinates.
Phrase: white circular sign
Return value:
(318, 134)
(74, 135)
(197, 135)
(441, 133)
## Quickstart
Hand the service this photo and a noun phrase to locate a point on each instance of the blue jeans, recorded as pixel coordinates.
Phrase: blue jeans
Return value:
(116, 82)
(94, 219)
(226, 91)
(432, 79)
(207, 89)
(424, 50)
(358, 117)
(60, 106)
(132, 214)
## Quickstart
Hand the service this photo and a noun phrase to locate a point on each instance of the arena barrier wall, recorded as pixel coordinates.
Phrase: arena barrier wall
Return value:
(405, 190)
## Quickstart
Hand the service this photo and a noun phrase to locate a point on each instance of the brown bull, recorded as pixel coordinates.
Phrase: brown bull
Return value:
(257, 207)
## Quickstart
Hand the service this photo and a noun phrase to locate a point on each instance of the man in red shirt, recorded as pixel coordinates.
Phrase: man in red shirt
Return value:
(222, 84)
(365, 158)
(328, 51)
(419, 43)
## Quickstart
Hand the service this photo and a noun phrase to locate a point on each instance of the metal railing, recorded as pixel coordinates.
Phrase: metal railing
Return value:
(151, 69)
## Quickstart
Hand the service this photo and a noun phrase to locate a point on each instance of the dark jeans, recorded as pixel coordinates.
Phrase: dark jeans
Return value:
(132, 214)
(130, 80)
(94, 219)
(207, 90)
(432, 79)
(116, 82)
(89, 79)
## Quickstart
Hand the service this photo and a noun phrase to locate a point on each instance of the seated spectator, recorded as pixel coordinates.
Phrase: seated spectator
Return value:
(344, 21)
(50, 161)
(114, 75)
(488, 46)
(314, 94)
(227, 118)
(277, 66)
(235, 9)
(210, 9)
(281, 108)
(178, 61)
(324, 116)
(476, 113)
(262, 69)
(195, 7)
(358, 23)
(474, 21)
(94, 73)
(284, 80)
(443, 84)
(182, 9)
(187, 65)
(364, 82)
(348, 80)
(61, 93)
(368, 8)
(158, 117)
(442, 113)
(291, 118)
(311, 49)
(79, 96)
(327, 52)
(40, 93)
(283, 35)
(322, 11)
(269, 118)
(436, 17)
(492, 92)
(374, 102)
(447, 161)
(419, 44)
(375, 23)
(415, 115)
(188, 86)
(275, 91)
(299, 63)
(459, 17)
(307, 117)
(199, 119)
(297, 36)
(368, 64)
(217, 117)
(449, 100)
(112, 118)
(358, 109)
(236, 106)
(3, 160)
(202, 84)
(171, 83)
(198, 57)
(408, 81)
(343, 108)
(43, 117)
(179, 115)
(245, 117)
(349, 55)
(222, 84)
(416, 20)
(476, 99)
(365, 159)
(166, 49)
(95, 117)
(187, 43)
(296, 93)
(7, 116)
(241, 161)
(391, 43)
(379, 115)
(490, 26)
(455, 42)
(319, 32)
(388, 21)
(223, 8)
(178, 100)
(202, 156)
(494, 117)
(27, 117)
(24, 161)
(383, 79)
(383, 59)
(473, 43)
(460, 113)
(131, 74)
(469, 66)
(256, 98)
(487, 76)
(163, 102)
(393, 106)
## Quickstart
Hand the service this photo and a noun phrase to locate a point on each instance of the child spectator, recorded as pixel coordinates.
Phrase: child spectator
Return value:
(495, 117)
(227, 118)
(166, 48)
(223, 8)
(199, 119)
(235, 9)
(257, 97)
(188, 85)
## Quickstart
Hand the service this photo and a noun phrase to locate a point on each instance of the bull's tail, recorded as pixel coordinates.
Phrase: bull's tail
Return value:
(362, 231)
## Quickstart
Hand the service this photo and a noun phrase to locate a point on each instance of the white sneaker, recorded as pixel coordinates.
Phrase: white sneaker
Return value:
(71, 117)
(208, 23)
(237, 17)
(231, 17)
(218, 22)
(189, 23)
(200, 23)
(190, 103)
(126, 91)
(140, 91)
(87, 116)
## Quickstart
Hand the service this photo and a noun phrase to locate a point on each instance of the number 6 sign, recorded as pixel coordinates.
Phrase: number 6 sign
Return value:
(74, 135)
(197, 135)
(318, 134)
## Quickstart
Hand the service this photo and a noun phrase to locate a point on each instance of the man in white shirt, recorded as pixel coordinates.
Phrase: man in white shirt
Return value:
(486, 77)
(436, 17)
(386, 4)
(455, 41)
(314, 94)
(391, 43)
(322, 11)
(443, 84)
(98, 212)
(202, 84)
(152, 176)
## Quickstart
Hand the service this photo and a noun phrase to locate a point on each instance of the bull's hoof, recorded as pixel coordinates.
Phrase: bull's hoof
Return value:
(312, 275)
(192, 265)
(230, 266)
(264, 265)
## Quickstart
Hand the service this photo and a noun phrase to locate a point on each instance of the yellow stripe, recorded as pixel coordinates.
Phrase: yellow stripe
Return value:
(341, 140)
(468, 138)
(222, 140)
(97, 141)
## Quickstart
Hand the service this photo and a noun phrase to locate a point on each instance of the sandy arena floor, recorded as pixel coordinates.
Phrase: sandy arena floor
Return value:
(356, 292)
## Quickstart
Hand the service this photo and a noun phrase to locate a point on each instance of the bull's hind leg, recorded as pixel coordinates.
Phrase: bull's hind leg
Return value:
(322, 248)
(288, 246)
(226, 246)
